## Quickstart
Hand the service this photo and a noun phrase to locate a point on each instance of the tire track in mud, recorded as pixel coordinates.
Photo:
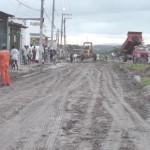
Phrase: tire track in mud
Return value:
(38, 82)
(70, 88)
(42, 123)
(70, 135)
(77, 82)
(29, 95)
(77, 132)
(31, 137)
(33, 104)
(15, 104)
(124, 116)
(22, 126)
(86, 133)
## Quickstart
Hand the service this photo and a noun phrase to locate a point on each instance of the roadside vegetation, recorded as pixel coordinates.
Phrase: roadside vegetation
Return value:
(138, 67)
(145, 80)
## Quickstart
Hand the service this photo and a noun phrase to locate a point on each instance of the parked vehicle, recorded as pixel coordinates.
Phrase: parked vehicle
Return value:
(140, 54)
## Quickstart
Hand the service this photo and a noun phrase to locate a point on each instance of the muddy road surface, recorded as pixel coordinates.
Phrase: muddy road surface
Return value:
(79, 106)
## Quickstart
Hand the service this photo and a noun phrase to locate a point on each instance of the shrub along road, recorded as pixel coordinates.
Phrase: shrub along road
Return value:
(79, 106)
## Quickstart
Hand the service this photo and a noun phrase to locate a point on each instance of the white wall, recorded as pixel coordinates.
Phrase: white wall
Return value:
(33, 27)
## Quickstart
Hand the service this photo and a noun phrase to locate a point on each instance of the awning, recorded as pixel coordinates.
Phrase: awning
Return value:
(17, 25)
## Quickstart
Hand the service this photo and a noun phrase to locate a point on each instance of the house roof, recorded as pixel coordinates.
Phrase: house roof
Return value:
(4, 16)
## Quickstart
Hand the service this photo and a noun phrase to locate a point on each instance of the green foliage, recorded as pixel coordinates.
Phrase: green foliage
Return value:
(145, 81)
(115, 49)
(72, 47)
(107, 48)
(140, 67)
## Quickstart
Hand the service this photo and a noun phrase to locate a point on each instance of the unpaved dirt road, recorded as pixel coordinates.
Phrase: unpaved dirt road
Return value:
(79, 106)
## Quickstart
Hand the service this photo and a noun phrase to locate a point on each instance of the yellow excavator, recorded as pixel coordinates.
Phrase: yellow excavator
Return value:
(88, 51)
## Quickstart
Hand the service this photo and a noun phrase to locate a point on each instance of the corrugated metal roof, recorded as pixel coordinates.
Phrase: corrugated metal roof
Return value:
(17, 25)
(4, 15)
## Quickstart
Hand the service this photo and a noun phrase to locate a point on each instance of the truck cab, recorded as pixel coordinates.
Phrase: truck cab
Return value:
(140, 53)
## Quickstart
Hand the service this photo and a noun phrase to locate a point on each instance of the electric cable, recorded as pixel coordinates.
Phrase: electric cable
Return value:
(27, 6)
(47, 16)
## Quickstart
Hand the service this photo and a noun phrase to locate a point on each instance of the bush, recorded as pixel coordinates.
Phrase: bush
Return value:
(139, 67)
(145, 81)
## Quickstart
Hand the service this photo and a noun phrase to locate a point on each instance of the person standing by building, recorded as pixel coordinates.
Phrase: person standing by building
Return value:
(4, 64)
(14, 57)
(34, 53)
(24, 54)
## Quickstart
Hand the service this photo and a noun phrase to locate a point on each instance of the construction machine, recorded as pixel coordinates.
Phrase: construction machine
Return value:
(88, 51)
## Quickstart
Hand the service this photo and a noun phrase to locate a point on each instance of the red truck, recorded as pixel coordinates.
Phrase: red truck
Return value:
(133, 39)
(140, 54)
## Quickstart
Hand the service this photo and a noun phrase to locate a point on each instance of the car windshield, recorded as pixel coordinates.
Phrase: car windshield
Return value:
(140, 48)
(87, 46)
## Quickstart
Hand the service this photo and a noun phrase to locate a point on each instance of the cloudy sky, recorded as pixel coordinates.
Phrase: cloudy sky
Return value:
(98, 21)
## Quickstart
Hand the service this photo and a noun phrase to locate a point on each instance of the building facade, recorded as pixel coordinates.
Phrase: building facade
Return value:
(22, 31)
(4, 29)
(10, 31)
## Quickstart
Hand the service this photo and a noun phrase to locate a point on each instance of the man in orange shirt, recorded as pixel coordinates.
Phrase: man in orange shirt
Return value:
(4, 64)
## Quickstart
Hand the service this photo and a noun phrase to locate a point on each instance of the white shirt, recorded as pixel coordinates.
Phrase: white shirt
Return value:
(75, 55)
(14, 54)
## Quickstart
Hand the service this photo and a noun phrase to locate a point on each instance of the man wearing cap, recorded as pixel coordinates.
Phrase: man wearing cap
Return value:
(4, 64)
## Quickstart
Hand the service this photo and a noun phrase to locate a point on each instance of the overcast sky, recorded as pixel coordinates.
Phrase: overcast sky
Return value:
(98, 21)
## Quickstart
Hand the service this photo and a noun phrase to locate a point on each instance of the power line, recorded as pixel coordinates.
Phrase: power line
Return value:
(47, 16)
(20, 3)
(27, 6)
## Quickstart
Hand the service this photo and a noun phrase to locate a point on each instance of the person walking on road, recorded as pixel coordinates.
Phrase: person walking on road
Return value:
(4, 64)
(74, 57)
(14, 57)
(51, 55)
(71, 57)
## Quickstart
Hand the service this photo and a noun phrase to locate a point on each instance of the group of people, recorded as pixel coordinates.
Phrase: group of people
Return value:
(32, 54)
(49, 55)
(29, 54)
(73, 57)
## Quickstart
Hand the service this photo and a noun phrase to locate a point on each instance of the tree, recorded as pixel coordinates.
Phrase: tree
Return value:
(70, 47)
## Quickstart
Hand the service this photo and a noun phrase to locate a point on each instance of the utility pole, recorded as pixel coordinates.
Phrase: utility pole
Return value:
(57, 36)
(62, 21)
(41, 31)
(52, 26)
(61, 30)
(64, 47)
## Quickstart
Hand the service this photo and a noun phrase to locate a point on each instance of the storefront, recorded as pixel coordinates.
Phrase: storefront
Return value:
(4, 31)
(15, 34)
